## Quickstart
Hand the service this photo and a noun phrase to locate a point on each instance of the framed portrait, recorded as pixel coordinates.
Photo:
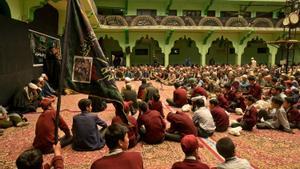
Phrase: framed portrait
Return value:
(82, 69)
(41, 44)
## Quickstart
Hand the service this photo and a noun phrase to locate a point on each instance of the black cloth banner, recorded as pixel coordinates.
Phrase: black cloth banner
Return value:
(86, 68)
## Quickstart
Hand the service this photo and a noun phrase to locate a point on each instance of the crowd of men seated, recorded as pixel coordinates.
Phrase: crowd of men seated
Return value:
(264, 97)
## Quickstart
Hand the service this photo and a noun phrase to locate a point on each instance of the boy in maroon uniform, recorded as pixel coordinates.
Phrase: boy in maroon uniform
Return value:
(181, 125)
(33, 159)
(45, 126)
(117, 141)
(133, 131)
(156, 104)
(248, 121)
(151, 125)
(293, 114)
(220, 116)
(254, 88)
(190, 145)
(179, 96)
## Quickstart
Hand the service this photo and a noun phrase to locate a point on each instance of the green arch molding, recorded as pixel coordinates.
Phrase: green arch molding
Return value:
(32, 9)
(186, 51)
(254, 49)
(153, 53)
(221, 51)
(4, 7)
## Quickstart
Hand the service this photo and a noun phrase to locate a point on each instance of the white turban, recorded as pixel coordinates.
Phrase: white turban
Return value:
(33, 86)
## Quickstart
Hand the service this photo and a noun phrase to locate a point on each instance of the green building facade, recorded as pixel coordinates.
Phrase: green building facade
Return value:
(178, 31)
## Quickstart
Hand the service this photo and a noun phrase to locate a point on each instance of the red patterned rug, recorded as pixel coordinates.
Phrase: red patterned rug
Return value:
(265, 149)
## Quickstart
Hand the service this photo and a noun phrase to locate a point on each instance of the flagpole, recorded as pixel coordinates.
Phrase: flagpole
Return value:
(65, 52)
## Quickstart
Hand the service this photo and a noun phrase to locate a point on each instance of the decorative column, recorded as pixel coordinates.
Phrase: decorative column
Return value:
(203, 49)
(239, 50)
(273, 51)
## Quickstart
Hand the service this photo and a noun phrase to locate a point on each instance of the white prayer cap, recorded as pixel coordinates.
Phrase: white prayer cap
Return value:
(127, 79)
(186, 108)
(41, 79)
(43, 75)
(252, 58)
(33, 86)
(198, 98)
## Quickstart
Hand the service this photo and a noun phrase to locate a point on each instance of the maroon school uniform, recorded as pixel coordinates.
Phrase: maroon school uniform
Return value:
(180, 97)
(189, 164)
(240, 103)
(153, 105)
(223, 101)
(230, 95)
(155, 126)
(250, 116)
(44, 130)
(133, 129)
(293, 115)
(199, 91)
(123, 160)
(221, 118)
(255, 90)
(182, 123)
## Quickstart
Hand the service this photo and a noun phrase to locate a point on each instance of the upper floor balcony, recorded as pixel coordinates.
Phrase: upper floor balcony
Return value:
(187, 21)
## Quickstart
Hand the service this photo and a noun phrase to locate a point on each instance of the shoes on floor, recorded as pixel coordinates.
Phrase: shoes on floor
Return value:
(22, 124)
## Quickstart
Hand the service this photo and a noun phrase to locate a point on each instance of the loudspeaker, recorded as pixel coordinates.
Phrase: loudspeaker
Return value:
(127, 50)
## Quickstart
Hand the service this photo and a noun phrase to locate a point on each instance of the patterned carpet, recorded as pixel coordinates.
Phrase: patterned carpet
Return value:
(265, 149)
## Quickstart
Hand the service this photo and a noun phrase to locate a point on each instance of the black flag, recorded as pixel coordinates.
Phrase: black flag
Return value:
(86, 67)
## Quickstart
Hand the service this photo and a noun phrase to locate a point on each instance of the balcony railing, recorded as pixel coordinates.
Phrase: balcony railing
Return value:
(145, 20)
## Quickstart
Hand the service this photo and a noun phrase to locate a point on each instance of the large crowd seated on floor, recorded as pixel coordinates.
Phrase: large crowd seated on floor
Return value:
(204, 97)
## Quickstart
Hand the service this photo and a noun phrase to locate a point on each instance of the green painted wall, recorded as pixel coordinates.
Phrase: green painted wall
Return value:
(16, 8)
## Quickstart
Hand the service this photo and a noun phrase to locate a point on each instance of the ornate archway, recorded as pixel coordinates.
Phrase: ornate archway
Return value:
(45, 20)
(143, 20)
(210, 21)
(185, 52)
(115, 21)
(262, 22)
(172, 21)
(258, 49)
(146, 51)
(236, 22)
(112, 51)
(4, 9)
(221, 51)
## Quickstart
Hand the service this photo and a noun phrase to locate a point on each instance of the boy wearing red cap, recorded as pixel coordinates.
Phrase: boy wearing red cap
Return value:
(190, 145)
(45, 127)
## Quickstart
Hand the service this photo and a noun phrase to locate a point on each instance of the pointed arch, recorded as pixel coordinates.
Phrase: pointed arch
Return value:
(4, 9)
(221, 51)
(45, 19)
(258, 49)
(112, 50)
(147, 51)
(184, 50)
